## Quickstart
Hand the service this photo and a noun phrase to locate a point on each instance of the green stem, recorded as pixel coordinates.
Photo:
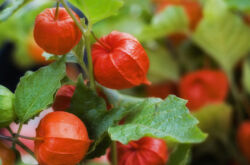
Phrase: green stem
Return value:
(16, 141)
(82, 64)
(10, 131)
(100, 42)
(90, 64)
(94, 36)
(19, 129)
(17, 134)
(57, 9)
(25, 148)
(26, 137)
(78, 24)
(236, 96)
(114, 153)
(6, 138)
(86, 35)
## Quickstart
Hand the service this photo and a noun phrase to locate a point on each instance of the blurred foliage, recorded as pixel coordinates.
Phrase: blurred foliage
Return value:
(160, 26)
(18, 29)
(210, 117)
(2, 1)
(222, 34)
(162, 64)
(12, 7)
(180, 155)
(241, 5)
(246, 75)
(134, 13)
(105, 8)
(137, 18)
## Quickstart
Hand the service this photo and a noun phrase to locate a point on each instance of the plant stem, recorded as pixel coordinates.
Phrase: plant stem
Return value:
(90, 64)
(16, 141)
(82, 64)
(236, 96)
(114, 153)
(78, 24)
(6, 138)
(100, 42)
(10, 131)
(19, 129)
(25, 148)
(86, 35)
(57, 9)
(16, 135)
(28, 138)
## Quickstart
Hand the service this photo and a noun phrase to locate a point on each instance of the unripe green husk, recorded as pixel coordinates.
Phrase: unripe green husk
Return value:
(7, 114)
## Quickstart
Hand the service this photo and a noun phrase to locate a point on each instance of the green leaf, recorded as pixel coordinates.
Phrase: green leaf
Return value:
(7, 114)
(134, 13)
(171, 20)
(91, 109)
(168, 119)
(215, 118)
(120, 23)
(138, 8)
(162, 65)
(241, 5)
(96, 10)
(180, 155)
(222, 34)
(35, 90)
(11, 8)
(137, 15)
(246, 75)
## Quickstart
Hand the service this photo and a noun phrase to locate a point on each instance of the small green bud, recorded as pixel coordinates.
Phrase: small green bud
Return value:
(7, 114)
